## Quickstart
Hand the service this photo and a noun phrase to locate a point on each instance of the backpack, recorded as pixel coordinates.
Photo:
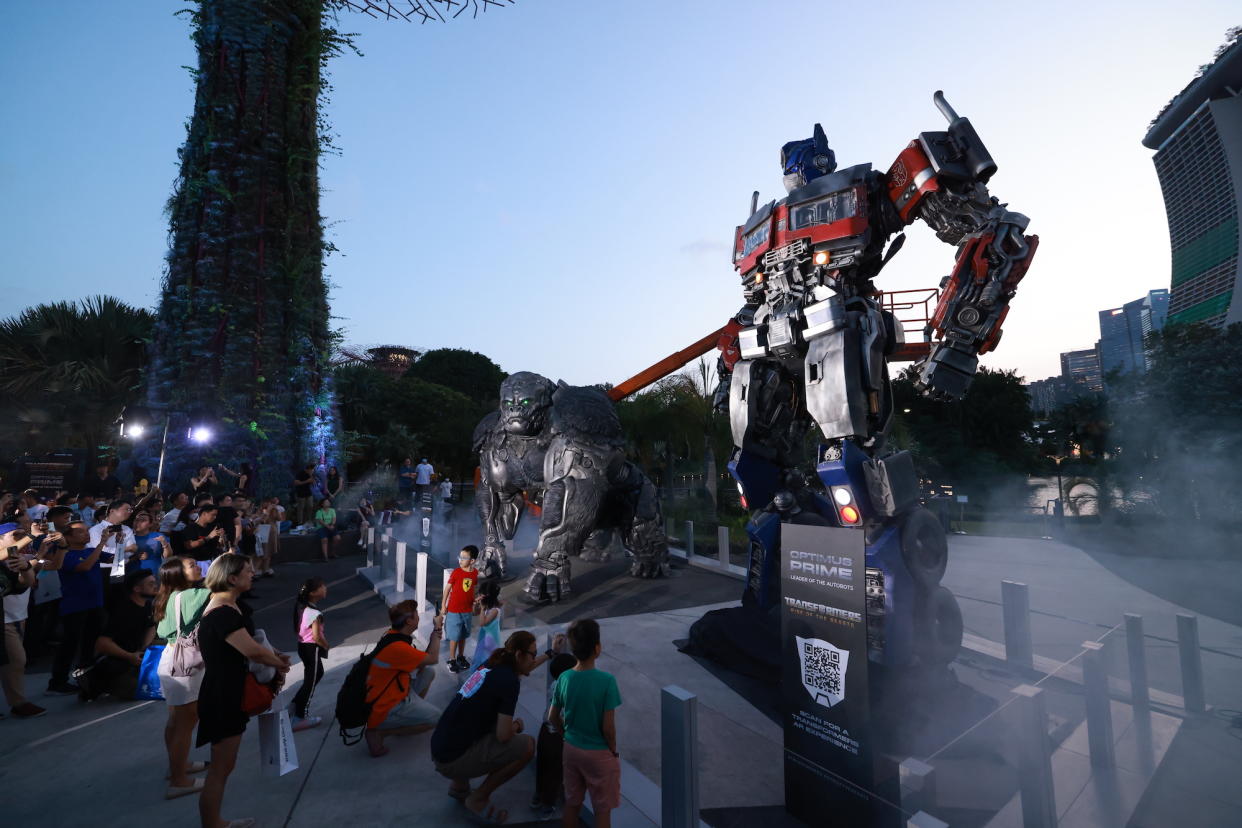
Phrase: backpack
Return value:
(352, 707)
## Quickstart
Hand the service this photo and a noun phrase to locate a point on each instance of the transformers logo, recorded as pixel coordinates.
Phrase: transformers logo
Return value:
(898, 175)
(823, 670)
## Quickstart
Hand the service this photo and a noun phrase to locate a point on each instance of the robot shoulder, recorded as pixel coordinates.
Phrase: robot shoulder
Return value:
(484, 430)
(585, 412)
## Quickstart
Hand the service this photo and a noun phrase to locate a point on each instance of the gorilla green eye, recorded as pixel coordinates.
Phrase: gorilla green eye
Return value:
(526, 401)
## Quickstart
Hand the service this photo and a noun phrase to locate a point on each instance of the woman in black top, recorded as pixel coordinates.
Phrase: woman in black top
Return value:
(225, 637)
(335, 483)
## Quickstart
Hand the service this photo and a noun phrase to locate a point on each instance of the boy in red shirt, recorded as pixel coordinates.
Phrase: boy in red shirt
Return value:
(457, 606)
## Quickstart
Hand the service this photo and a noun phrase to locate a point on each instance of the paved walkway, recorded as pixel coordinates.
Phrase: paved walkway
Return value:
(102, 764)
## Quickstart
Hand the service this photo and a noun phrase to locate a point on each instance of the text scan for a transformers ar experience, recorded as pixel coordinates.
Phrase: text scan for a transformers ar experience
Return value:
(828, 750)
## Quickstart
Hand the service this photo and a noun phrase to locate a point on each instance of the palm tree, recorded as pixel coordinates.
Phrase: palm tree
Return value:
(68, 369)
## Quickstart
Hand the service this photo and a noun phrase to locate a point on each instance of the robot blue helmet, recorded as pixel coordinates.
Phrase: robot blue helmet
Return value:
(806, 160)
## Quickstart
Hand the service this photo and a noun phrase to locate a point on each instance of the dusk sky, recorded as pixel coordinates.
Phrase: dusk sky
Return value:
(556, 184)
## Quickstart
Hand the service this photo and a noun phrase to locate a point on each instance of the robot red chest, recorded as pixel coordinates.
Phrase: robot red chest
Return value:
(825, 222)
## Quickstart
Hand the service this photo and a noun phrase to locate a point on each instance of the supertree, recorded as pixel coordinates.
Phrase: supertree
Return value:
(242, 335)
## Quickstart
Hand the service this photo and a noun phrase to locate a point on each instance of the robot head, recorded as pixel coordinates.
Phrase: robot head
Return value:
(804, 161)
(525, 401)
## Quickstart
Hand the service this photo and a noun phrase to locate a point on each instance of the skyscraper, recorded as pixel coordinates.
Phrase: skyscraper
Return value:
(1122, 331)
(1198, 143)
(1082, 370)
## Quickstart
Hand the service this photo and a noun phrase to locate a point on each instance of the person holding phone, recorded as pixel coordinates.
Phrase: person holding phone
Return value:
(111, 535)
(203, 538)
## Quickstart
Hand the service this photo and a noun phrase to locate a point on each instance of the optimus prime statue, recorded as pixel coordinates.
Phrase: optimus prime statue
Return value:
(810, 345)
(562, 446)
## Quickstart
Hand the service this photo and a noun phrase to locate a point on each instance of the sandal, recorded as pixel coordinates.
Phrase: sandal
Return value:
(491, 816)
(174, 793)
(191, 767)
(458, 794)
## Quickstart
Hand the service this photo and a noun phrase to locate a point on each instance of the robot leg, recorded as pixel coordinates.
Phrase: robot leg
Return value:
(570, 509)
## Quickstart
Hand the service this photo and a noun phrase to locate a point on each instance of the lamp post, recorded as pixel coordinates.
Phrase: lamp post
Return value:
(134, 423)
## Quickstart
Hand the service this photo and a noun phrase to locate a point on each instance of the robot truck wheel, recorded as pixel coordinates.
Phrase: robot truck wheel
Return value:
(924, 549)
(939, 635)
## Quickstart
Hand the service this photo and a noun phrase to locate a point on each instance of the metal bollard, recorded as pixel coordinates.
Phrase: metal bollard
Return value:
(1016, 608)
(400, 571)
(918, 785)
(1034, 759)
(1099, 706)
(679, 767)
(722, 543)
(689, 539)
(1192, 662)
(1136, 653)
(925, 820)
(420, 581)
(370, 546)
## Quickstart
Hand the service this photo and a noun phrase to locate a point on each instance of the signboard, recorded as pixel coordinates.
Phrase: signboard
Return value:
(828, 745)
(50, 478)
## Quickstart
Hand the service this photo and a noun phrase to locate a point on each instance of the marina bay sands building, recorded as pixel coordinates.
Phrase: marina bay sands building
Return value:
(1198, 144)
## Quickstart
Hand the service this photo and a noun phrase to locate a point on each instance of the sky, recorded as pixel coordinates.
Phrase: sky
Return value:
(556, 184)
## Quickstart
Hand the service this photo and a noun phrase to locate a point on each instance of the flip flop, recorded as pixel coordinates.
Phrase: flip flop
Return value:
(460, 796)
(174, 793)
(192, 767)
(491, 817)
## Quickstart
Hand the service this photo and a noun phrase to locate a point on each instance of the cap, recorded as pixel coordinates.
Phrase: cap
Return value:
(5, 528)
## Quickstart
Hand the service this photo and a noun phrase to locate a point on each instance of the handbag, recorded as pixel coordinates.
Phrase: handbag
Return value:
(278, 753)
(256, 697)
(187, 658)
(149, 674)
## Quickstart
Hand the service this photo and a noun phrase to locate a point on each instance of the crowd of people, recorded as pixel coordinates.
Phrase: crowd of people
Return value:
(93, 580)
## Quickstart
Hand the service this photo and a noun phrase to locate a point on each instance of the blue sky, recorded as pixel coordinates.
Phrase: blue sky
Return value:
(556, 183)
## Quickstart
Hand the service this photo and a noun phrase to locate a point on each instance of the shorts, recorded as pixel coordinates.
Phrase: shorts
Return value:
(596, 772)
(414, 711)
(486, 755)
(325, 533)
(457, 626)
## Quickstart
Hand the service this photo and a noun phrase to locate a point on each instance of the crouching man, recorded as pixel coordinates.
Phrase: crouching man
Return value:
(399, 678)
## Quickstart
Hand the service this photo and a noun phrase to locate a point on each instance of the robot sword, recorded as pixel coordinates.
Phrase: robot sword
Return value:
(667, 365)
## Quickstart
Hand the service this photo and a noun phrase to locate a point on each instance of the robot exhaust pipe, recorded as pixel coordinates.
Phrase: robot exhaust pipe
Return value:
(945, 109)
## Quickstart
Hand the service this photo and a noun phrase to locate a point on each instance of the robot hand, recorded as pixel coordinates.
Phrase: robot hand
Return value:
(947, 371)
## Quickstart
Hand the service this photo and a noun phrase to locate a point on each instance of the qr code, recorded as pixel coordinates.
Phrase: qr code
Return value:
(824, 668)
(821, 668)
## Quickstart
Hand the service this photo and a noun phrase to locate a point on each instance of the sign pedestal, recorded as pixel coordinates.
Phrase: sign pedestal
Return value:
(830, 748)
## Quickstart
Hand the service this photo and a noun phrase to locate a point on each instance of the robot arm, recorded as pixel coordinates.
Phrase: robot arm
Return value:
(941, 178)
(730, 353)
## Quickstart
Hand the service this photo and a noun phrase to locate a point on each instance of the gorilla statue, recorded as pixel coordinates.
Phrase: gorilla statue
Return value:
(562, 447)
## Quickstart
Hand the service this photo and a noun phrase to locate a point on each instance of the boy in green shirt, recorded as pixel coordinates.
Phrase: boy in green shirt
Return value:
(584, 702)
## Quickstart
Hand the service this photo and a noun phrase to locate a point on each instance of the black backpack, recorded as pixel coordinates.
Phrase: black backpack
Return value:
(352, 707)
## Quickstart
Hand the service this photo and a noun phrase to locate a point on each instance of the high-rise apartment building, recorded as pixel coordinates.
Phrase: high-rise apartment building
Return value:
(1082, 370)
(1122, 331)
(1198, 144)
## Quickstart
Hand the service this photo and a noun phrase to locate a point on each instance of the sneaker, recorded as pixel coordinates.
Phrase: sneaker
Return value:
(454, 667)
(62, 689)
(462, 663)
(28, 711)
(305, 724)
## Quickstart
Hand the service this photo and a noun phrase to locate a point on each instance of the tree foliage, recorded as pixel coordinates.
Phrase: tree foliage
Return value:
(388, 419)
(467, 372)
(1176, 431)
(984, 435)
(68, 369)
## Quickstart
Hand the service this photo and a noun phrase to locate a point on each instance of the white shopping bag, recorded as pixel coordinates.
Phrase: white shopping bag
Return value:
(277, 750)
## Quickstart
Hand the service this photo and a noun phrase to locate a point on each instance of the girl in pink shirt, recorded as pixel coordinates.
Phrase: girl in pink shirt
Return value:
(312, 648)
